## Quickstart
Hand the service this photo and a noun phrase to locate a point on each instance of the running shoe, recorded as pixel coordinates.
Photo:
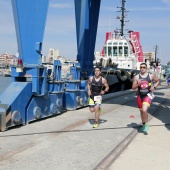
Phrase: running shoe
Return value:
(142, 128)
(95, 125)
(146, 128)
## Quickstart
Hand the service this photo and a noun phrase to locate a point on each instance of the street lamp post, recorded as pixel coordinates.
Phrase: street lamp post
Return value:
(156, 51)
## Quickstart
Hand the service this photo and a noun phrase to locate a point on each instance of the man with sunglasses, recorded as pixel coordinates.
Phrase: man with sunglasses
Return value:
(143, 83)
(95, 90)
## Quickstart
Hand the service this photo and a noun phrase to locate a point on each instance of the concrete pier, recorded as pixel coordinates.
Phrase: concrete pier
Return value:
(68, 141)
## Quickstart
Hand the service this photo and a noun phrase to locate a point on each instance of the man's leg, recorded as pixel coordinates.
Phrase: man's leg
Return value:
(91, 109)
(91, 105)
(94, 108)
(142, 117)
(145, 113)
(97, 114)
(139, 102)
(145, 106)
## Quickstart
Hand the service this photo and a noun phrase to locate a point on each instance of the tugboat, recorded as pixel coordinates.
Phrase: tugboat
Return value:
(121, 54)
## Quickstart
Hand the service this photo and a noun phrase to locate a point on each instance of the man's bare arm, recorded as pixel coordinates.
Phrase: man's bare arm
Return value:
(104, 82)
(156, 80)
(136, 83)
(88, 86)
(106, 85)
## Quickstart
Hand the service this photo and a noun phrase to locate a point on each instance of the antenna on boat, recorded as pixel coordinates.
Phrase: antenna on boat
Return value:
(122, 18)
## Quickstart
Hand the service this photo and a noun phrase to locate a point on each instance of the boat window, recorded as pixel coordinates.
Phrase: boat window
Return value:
(126, 51)
(110, 43)
(115, 43)
(120, 43)
(109, 51)
(125, 43)
(120, 51)
(105, 50)
(114, 51)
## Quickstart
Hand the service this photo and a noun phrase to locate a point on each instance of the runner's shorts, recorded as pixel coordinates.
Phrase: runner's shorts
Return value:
(145, 100)
(93, 103)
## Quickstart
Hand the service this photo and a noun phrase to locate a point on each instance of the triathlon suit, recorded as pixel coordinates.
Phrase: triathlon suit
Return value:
(96, 87)
(143, 90)
(168, 80)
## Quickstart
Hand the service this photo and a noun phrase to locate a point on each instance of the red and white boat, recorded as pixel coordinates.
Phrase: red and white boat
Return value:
(120, 50)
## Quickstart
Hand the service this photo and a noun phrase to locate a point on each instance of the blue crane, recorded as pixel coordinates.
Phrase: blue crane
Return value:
(31, 95)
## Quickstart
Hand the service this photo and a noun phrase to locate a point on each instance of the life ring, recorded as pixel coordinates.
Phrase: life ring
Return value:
(103, 75)
(110, 64)
(130, 76)
(133, 74)
(104, 63)
(96, 63)
(100, 62)
(122, 74)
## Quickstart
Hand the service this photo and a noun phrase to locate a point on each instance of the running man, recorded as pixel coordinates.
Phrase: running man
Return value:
(168, 80)
(143, 82)
(95, 91)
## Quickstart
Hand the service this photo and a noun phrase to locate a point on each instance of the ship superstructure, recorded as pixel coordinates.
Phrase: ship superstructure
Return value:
(120, 50)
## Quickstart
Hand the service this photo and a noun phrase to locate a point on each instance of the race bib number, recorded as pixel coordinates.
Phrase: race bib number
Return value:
(151, 95)
(97, 98)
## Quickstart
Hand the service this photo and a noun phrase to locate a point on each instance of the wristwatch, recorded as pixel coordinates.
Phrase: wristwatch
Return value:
(154, 87)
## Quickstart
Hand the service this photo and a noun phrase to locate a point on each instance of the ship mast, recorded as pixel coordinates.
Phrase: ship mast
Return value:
(122, 19)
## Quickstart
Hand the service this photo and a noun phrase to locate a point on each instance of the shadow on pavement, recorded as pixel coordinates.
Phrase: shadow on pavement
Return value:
(164, 114)
(66, 131)
(135, 126)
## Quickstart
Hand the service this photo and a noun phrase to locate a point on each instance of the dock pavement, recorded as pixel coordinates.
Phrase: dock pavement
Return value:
(149, 152)
(69, 142)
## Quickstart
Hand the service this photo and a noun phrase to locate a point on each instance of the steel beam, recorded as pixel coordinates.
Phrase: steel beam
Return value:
(30, 18)
(87, 14)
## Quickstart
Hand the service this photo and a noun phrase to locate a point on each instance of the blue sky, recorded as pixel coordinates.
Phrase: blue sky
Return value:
(149, 17)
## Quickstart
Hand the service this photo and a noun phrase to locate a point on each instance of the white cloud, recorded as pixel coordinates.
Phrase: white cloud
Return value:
(167, 2)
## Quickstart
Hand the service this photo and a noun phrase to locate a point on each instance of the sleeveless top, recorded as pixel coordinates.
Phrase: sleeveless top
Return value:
(168, 78)
(145, 85)
(96, 86)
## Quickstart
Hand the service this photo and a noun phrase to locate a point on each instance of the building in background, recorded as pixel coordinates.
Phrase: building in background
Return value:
(7, 60)
(149, 56)
(52, 55)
